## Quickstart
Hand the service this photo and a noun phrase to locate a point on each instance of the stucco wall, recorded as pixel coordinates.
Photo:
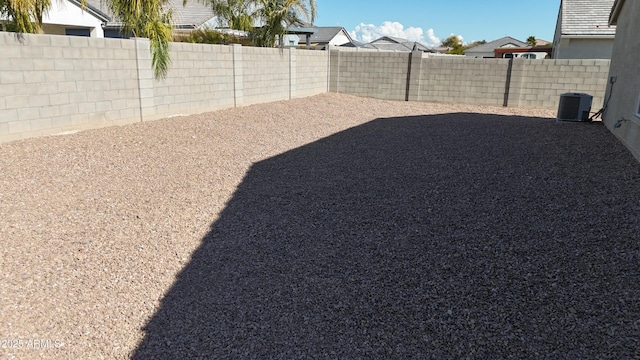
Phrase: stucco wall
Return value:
(568, 48)
(64, 14)
(620, 116)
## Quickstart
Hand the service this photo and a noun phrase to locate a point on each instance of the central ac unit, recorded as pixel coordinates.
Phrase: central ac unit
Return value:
(574, 107)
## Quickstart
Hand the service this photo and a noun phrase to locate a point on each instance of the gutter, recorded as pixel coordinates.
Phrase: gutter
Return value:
(615, 12)
(611, 36)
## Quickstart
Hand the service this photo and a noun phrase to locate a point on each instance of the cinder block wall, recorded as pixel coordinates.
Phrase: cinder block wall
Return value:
(463, 80)
(539, 83)
(200, 79)
(265, 75)
(52, 84)
(311, 72)
(381, 75)
(530, 83)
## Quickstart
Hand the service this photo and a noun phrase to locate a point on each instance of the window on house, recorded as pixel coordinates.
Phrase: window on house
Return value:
(292, 43)
(78, 31)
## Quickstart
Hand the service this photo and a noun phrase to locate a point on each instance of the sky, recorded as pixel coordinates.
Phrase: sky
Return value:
(430, 21)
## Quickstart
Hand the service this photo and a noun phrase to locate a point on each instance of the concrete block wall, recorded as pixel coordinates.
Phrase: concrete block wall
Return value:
(463, 80)
(311, 72)
(530, 83)
(381, 75)
(200, 79)
(265, 73)
(50, 84)
(53, 84)
(539, 83)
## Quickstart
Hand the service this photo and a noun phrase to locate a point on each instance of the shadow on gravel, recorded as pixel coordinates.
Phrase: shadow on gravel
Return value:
(445, 236)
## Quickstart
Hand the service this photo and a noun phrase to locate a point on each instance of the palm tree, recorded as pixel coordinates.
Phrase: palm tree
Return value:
(145, 18)
(22, 13)
(531, 40)
(275, 16)
(237, 14)
(149, 19)
(278, 15)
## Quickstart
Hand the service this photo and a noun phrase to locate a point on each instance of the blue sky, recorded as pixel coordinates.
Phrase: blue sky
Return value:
(430, 21)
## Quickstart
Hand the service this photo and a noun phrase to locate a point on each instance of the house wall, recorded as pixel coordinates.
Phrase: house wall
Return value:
(621, 115)
(339, 39)
(580, 48)
(63, 14)
(50, 84)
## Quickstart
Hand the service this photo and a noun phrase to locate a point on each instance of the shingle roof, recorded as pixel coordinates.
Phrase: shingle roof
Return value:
(326, 34)
(398, 44)
(489, 47)
(586, 17)
(193, 14)
(92, 9)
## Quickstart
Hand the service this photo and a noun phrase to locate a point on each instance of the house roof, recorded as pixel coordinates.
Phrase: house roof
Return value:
(506, 41)
(586, 17)
(92, 10)
(615, 11)
(398, 44)
(325, 34)
(192, 15)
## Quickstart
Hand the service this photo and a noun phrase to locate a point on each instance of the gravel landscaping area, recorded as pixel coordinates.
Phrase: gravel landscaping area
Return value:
(329, 227)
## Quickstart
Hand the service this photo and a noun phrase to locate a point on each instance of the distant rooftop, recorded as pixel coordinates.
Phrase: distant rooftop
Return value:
(193, 15)
(506, 41)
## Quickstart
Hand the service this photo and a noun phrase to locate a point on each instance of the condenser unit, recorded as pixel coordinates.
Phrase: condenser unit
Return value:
(574, 107)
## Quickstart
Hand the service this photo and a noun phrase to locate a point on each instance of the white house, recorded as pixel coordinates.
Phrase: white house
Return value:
(488, 50)
(583, 30)
(68, 17)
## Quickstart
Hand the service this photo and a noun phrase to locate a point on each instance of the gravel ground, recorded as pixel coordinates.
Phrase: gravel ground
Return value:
(326, 227)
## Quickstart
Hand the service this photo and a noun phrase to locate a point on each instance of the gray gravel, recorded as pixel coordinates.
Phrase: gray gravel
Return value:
(325, 227)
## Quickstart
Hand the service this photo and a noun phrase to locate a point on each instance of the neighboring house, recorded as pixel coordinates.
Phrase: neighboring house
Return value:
(535, 52)
(488, 50)
(398, 44)
(622, 107)
(583, 30)
(68, 17)
(193, 15)
(326, 35)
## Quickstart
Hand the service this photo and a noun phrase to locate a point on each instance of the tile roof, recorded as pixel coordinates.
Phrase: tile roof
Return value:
(586, 17)
(192, 15)
(489, 47)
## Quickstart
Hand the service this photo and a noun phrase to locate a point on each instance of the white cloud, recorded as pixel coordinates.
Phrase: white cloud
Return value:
(369, 32)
